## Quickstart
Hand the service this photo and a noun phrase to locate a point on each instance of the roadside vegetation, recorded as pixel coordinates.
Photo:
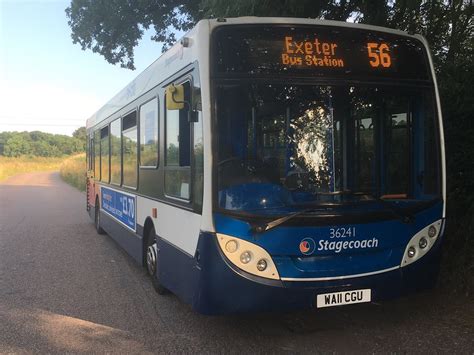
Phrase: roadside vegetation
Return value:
(13, 166)
(41, 144)
(24, 152)
(73, 171)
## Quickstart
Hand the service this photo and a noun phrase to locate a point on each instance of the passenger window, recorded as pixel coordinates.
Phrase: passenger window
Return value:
(129, 149)
(149, 134)
(115, 156)
(97, 155)
(90, 153)
(198, 156)
(104, 154)
(178, 150)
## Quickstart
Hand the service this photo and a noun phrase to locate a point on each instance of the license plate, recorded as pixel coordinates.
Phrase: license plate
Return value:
(342, 298)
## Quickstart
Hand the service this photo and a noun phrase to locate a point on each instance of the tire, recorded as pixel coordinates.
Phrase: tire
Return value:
(98, 228)
(151, 262)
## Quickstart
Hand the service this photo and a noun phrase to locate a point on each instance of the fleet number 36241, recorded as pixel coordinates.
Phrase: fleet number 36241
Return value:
(342, 232)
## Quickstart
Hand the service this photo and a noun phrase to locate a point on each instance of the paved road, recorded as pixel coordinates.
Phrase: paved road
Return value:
(63, 288)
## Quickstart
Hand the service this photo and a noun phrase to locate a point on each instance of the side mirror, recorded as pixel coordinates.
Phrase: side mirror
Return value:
(174, 97)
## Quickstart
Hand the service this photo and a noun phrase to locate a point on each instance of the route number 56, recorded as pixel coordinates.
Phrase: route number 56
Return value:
(379, 54)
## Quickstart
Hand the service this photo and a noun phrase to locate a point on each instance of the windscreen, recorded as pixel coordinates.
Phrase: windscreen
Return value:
(285, 145)
(318, 51)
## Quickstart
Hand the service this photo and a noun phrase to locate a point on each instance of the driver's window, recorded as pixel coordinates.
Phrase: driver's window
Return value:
(178, 150)
(274, 142)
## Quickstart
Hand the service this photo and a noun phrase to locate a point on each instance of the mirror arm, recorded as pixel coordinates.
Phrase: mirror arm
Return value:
(188, 106)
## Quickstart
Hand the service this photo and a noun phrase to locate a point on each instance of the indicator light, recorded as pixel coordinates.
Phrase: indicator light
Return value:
(248, 256)
(231, 246)
(421, 243)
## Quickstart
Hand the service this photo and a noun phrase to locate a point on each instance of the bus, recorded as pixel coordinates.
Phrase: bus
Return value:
(266, 164)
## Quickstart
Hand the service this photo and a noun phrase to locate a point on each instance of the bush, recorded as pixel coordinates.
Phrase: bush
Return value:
(73, 171)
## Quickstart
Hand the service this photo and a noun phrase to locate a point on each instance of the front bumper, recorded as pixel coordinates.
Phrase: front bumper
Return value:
(223, 288)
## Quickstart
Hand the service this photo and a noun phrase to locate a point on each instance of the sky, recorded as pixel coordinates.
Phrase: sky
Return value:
(47, 83)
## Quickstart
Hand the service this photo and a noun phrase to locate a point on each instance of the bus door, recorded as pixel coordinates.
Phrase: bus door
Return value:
(90, 186)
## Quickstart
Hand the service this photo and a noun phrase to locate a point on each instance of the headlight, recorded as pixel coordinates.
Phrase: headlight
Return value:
(432, 231)
(248, 256)
(421, 243)
(261, 265)
(245, 257)
(411, 252)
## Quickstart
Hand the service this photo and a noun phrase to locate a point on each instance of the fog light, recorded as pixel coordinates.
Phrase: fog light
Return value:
(432, 231)
(411, 252)
(261, 265)
(245, 257)
(423, 243)
(231, 246)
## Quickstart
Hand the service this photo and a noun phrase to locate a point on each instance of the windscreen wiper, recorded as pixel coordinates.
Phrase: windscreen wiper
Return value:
(264, 227)
(405, 217)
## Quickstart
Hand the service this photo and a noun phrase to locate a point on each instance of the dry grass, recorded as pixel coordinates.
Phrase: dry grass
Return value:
(13, 166)
(73, 171)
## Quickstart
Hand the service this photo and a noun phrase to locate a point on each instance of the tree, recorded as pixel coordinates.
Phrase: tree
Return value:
(81, 135)
(41, 144)
(18, 145)
(114, 34)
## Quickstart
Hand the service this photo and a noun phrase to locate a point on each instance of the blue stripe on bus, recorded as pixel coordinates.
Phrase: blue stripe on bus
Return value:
(329, 258)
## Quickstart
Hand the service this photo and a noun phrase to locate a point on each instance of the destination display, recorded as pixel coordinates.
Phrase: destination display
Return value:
(318, 51)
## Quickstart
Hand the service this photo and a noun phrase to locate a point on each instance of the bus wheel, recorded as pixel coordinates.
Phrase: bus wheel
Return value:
(98, 228)
(152, 262)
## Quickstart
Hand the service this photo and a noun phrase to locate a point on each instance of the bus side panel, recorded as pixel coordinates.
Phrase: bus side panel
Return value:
(177, 226)
(178, 271)
(126, 238)
(177, 232)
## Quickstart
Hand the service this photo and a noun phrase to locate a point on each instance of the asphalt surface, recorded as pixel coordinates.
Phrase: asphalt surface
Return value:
(65, 289)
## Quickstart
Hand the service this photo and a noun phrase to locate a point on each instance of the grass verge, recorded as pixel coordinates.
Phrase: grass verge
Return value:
(73, 171)
(13, 166)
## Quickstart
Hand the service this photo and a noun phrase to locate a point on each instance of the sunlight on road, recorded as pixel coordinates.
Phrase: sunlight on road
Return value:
(30, 180)
(64, 333)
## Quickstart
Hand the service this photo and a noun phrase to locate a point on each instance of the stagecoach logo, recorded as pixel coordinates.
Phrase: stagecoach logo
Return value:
(307, 246)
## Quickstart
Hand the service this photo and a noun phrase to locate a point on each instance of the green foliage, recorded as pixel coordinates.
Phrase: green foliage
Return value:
(115, 33)
(73, 171)
(81, 135)
(448, 26)
(16, 146)
(114, 28)
(39, 144)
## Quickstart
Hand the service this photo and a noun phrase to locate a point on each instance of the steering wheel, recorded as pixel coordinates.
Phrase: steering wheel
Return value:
(228, 160)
